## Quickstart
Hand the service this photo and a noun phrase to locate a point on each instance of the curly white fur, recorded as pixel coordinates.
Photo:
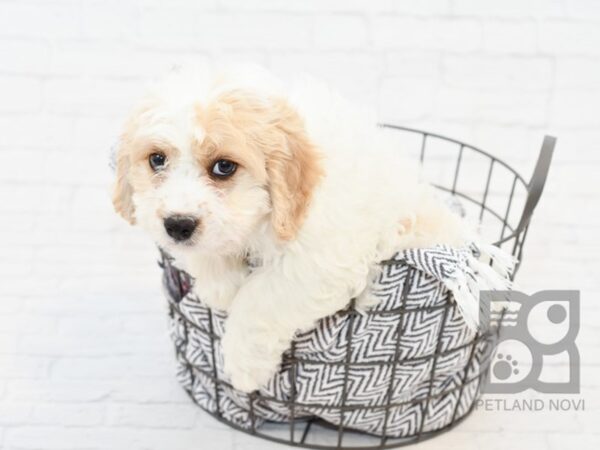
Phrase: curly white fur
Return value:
(368, 204)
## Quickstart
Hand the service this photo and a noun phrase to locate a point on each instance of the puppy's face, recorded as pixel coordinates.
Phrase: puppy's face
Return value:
(205, 175)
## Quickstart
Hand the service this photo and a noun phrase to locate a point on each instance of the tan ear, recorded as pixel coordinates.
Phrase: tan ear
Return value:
(294, 170)
(122, 190)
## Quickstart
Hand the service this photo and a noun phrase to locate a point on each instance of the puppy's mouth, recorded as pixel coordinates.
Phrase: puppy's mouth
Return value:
(182, 244)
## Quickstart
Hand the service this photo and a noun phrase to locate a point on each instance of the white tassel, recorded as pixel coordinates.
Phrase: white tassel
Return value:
(485, 277)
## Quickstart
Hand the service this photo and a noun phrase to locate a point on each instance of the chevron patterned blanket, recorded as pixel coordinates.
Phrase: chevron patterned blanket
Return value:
(411, 364)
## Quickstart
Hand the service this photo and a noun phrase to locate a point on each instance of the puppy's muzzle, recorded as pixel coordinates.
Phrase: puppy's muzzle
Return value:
(180, 228)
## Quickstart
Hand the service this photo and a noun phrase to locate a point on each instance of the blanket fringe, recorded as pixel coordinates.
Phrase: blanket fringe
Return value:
(489, 268)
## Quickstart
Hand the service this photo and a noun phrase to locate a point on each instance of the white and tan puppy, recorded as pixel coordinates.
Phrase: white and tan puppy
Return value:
(224, 167)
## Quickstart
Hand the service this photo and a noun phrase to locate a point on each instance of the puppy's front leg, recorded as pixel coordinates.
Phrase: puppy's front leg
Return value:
(268, 310)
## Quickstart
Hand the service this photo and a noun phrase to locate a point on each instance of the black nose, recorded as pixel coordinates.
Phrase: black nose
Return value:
(180, 228)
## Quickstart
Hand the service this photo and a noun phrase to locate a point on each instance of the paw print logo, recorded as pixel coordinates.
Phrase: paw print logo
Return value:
(511, 364)
(505, 367)
(534, 329)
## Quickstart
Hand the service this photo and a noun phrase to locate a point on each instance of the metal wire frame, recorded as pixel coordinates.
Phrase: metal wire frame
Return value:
(484, 338)
(482, 344)
(517, 232)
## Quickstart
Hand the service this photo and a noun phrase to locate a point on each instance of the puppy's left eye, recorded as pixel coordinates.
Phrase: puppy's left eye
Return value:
(224, 168)
(157, 161)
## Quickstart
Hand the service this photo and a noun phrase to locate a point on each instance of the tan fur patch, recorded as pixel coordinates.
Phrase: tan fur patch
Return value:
(294, 172)
(266, 137)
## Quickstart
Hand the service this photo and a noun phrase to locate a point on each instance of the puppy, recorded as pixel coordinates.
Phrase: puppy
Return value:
(228, 167)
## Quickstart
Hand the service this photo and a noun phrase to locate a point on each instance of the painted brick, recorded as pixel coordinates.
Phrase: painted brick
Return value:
(472, 72)
(156, 416)
(573, 38)
(48, 20)
(510, 36)
(184, 26)
(24, 57)
(462, 35)
(337, 31)
(509, 8)
(80, 414)
(20, 94)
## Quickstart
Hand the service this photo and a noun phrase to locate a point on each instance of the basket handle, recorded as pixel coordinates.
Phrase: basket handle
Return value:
(538, 181)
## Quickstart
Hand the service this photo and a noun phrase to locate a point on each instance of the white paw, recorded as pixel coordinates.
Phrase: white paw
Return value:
(367, 300)
(250, 359)
(247, 382)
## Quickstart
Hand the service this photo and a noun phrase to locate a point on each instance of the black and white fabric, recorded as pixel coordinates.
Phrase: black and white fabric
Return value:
(411, 364)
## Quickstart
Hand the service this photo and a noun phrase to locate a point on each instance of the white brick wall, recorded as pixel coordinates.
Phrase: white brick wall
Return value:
(85, 361)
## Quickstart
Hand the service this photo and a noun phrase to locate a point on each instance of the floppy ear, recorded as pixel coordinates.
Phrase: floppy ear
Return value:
(294, 170)
(122, 190)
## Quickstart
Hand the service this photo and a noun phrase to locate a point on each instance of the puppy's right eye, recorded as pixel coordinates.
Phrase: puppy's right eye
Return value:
(224, 168)
(157, 161)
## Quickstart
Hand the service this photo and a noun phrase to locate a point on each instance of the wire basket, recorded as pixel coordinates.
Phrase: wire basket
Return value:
(484, 187)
